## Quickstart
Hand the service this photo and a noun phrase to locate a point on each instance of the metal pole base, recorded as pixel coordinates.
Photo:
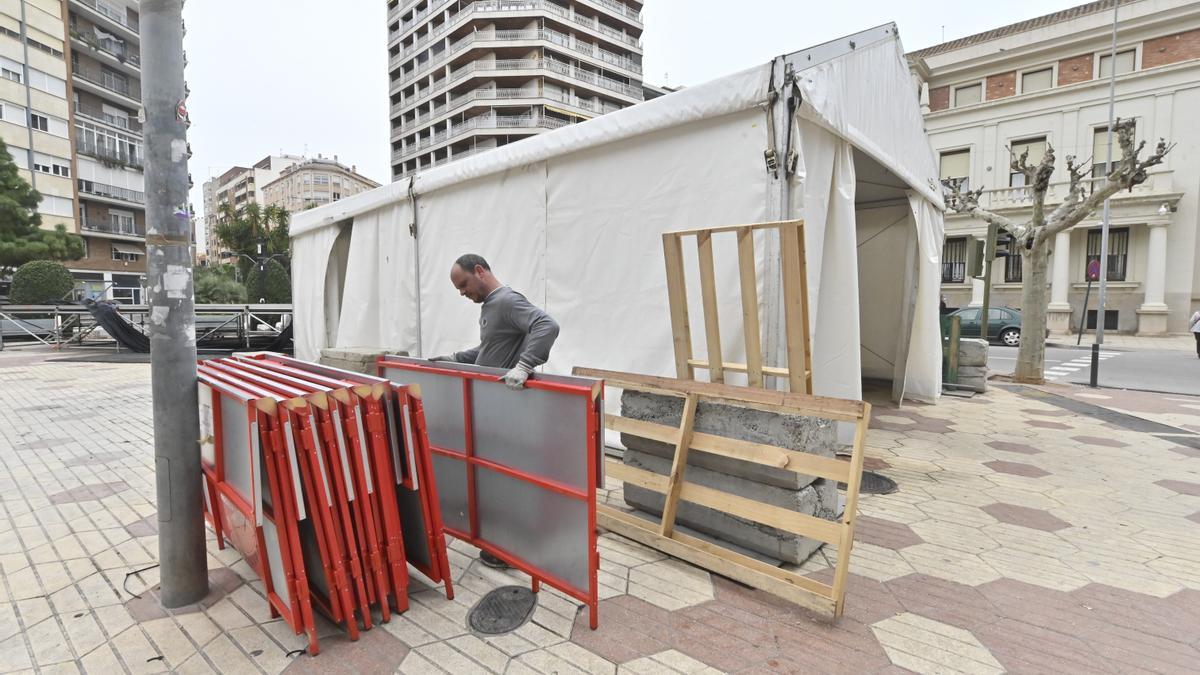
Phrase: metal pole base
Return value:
(1095, 364)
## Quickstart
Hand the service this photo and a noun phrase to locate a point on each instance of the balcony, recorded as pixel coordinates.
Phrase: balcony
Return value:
(108, 154)
(112, 192)
(121, 53)
(523, 6)
(123, 228)
(106, 81)
(121, 122)
(483, 122)
(1012, 198)
(508, 94)
(553, 37)
(111, 14)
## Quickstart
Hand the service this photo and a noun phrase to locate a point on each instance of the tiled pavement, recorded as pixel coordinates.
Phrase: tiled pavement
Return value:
(1023, 538)
(1174, 342)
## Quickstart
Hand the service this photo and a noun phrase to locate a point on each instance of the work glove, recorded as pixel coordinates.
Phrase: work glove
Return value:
(441, 358)
(515, 378)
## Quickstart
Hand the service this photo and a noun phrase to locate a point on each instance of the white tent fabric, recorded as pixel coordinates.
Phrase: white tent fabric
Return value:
(924, 372)
(573, 219)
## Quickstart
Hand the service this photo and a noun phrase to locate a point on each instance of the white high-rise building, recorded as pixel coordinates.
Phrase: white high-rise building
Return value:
(470, 76)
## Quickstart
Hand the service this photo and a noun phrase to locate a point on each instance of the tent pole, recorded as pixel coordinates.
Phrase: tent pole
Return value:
(415, 231)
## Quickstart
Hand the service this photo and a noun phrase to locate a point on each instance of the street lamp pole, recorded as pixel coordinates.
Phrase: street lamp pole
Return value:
(184, 575)
(1101, 295)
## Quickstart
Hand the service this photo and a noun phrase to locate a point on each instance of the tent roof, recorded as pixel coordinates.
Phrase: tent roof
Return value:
(858, 86)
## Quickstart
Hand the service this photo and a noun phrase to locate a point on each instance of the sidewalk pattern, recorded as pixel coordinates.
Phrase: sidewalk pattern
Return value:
(1023, 538)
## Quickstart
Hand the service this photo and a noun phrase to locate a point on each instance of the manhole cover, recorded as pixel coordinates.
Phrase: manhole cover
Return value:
(874, 484)
(503, 610)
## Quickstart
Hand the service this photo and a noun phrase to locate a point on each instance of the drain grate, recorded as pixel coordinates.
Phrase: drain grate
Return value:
(501, 611)
(874, 484)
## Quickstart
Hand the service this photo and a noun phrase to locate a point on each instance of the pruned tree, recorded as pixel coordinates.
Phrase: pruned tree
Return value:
(1035, 235)
(22, 238)
(240, 229)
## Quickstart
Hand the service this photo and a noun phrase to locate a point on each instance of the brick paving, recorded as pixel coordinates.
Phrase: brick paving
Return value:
(1011, 545)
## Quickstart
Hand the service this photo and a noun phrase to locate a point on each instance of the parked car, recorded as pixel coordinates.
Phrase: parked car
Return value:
(1004, 324)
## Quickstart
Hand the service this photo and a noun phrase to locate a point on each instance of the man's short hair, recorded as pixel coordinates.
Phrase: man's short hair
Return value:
(469, 261)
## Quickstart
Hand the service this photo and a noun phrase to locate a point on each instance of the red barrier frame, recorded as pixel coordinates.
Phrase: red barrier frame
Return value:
(419, 464)
(593, 396)
(262, 418)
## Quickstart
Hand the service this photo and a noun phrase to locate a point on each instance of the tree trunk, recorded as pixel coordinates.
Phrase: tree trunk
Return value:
(1031, 356)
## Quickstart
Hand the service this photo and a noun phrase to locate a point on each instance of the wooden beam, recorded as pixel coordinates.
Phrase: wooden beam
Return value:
(794, 308)
(740, 367)
(681, 332)
(760, 399)
(795, 522)
(850, 513)
(747, 451)
(750, 325)
(708, 294)
(771, 225)
(678, 465)
(755, 573)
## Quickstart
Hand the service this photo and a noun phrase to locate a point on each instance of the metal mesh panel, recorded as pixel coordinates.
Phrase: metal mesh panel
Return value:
(547, 529)
(275, 561)
(412, 524)
(443, 400)
(547, 440)
(451, 476)
(235, 437)
(312, 557)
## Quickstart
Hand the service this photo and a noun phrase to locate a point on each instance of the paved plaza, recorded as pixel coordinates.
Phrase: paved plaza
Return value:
(1027, 535)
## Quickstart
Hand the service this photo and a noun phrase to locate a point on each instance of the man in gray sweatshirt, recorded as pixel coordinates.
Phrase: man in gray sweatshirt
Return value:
(513, 334)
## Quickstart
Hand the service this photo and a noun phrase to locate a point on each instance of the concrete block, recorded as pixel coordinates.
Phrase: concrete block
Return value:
(972, 352)
(972, 371)
(978, 384)
(770, 485)
(357, 359)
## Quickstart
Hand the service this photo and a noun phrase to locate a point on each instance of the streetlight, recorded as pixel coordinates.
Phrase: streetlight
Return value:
(259, 261)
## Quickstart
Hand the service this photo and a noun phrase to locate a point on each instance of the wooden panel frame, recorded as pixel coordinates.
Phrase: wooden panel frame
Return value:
(825, 599)
(798, 372)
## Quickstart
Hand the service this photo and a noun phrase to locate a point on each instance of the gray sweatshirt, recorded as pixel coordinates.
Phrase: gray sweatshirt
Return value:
(511, 331)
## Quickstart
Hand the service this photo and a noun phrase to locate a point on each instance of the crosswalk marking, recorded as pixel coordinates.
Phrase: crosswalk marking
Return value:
(1076, 364)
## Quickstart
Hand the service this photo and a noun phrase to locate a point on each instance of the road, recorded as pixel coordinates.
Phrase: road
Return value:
(1175, 372)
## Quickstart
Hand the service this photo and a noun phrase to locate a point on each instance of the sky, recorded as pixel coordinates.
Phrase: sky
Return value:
(309, 77)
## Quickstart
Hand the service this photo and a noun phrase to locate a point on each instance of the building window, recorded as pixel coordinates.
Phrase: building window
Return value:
(124, 254)
(972, 93)
(1037, 80)
(14, 75)
(954, 261)
(55, 166)
(39, 122)
(121, 222)
(1036, 147)
(1100, 150)
(955, 169)
(1012, 264)
(1118, 252)
(1125, 62)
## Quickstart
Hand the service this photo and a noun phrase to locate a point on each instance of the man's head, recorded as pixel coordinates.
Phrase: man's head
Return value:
(473, 277)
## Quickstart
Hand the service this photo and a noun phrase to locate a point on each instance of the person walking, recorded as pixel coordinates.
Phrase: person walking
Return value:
(1194, 326)
(513, 333)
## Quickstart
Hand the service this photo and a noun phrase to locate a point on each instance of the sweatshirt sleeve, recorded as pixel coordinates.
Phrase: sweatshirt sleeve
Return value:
(540, 330)
(467, 355)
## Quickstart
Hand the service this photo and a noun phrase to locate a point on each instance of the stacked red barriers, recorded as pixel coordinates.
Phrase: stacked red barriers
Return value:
(322, 479)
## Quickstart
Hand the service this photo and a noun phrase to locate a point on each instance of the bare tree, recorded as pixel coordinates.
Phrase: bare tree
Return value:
(1034, 236)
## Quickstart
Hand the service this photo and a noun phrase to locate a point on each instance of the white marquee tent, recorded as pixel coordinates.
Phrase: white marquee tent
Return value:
(572, 218)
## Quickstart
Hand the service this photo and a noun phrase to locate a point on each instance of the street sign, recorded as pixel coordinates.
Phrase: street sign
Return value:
(1093, 270)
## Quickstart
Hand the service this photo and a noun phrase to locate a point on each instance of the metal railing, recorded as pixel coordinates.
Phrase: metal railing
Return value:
(954, 272)
(103, 152)
(504, 94)
(118, 121)
(476, 123)
(459, 17)
(123, 54)
(127, 229)
(555, 37)
(565, 69)
(119, 86)
(463, 154)
(1022, 197)
(122, 19)
(111, 192)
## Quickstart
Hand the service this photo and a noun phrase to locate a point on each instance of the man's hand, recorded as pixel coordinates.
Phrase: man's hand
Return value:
(441, 358)
(515, 378)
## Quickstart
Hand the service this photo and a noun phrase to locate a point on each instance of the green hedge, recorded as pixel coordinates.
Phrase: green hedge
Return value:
(41, 282)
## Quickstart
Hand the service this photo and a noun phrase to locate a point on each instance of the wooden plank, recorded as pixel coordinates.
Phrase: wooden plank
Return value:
(766, 514)
(793, 308)
(750, 325)
(708, 294)
(770, 225)
(678, 465)
(740, 367)
(803, 591)
(807, 332)
(850, 514)
(761, 399)
(747, 451)
(681, 332)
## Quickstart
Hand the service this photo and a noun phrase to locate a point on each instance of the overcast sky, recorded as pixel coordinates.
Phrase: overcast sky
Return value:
(310, 76)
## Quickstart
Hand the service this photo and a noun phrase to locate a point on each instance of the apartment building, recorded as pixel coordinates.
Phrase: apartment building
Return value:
(1045, 83)
(237, 187)
(314, 182)
(34, 111)
(470, 76)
